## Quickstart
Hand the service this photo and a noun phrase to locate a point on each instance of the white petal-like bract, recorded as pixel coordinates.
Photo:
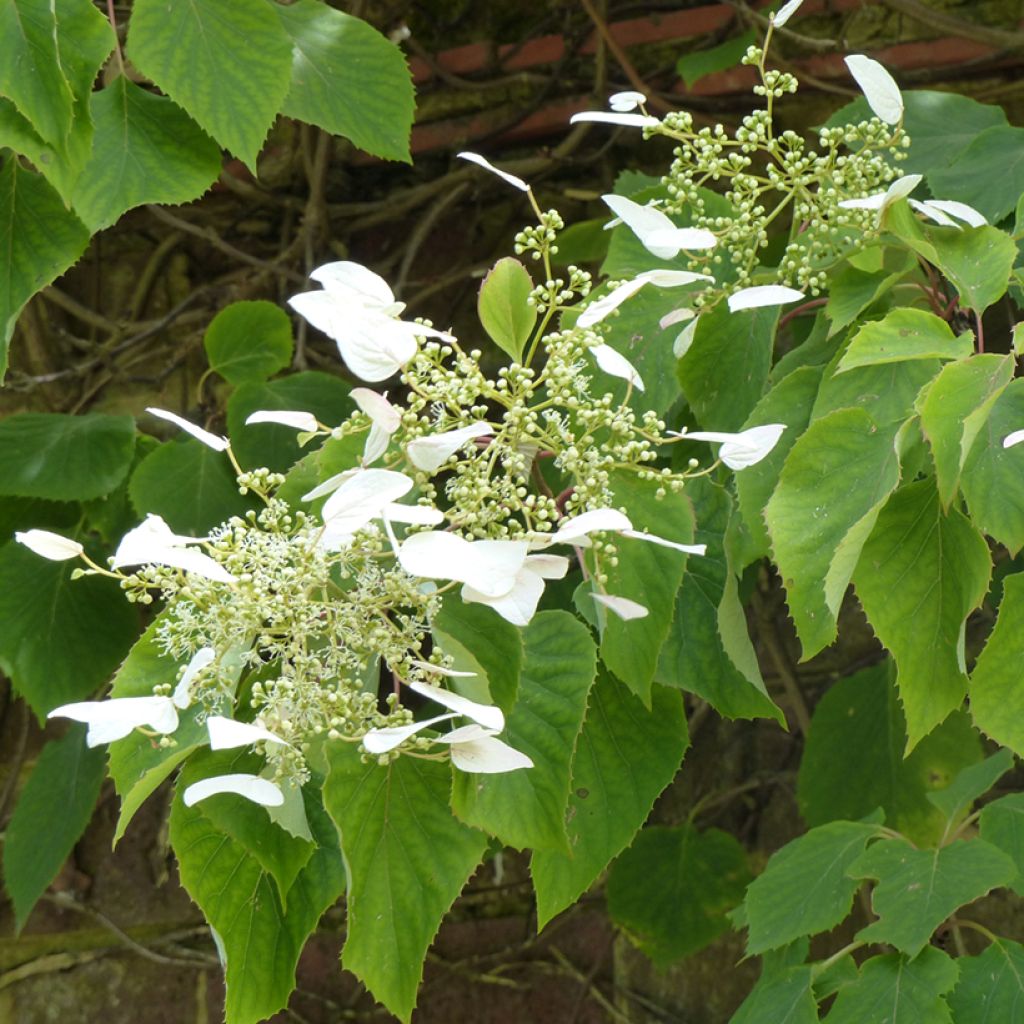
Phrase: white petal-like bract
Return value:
(429, 666)
(595, 520)
(380, 741)
(511, 179)
(623, 102)
(785, 12)
(684, 339)
(762, 295)
(488, 715)
(352, 280)
(115, 718)
(286, 418)
(477, 751)
(385, 419)
(519, 605)
(658, 232)
(252, 787)
(182, 696)
(1015, 438)
(616, 365)
(621, 606)
(362, 497)
(677, 316)
(489, 566)
(688, 549)
(214, 441)
(226, 733)
(153, 543)
(879, 87)
(50, 545)
(961, 211)
(744, 449)
(430, 453)
(620, 120)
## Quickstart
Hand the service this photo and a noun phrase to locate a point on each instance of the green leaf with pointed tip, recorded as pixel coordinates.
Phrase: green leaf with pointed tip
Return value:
(997, 705)
(904, 334)
(64, 458)
(974, 781)
(894, 990)
(53, 808)
(502, 306)
(249, 341)
(347, 79)
(61, 638)
(1001, 823)
(990, 988)
(408, 858)
(39, 240)
(646, 573)
(527, 808)
(201, 55)
(692, 67)
(853, 290)
(831, 490)
(920, 575)
(671, 890)
(625, 756)
(782, 998)
(790, 402)
(694, 657)
(988, 174)
(805, 889)
(917, 890)
(955, 408)
(853, 758)
(725, 371)
(146, 150)
(190, 485)
(262, 941)
(496, 645)
(270, 444)
(977, 261)
(993, 476)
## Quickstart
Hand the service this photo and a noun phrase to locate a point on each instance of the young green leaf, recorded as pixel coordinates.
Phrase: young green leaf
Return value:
(249, 341)
(852, 290)
(1001, 823)
(784, 997)
(692, 67)
(53, 809)
(407, 859)
(920, 575)
(503, 308)
(613, 790)
(527, 808)
(904, 334)
(970, 783)
(990, 986)
(977, 262)
(672, 888)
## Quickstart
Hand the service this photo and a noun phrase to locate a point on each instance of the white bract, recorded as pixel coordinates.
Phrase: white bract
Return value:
(785, 12)
(360, 498)
(226, 733)
(616, 365)
(476, 751)
(480, 161)
(881, 201)
(598, 310)
(879, 87)
(182, 696)
(623, 102)
(286, 418)
(762, 295)
(684, 339)
(113, 719)
(50, 545)
(214, 441)
(656, 230)
(746, 448)
(431, 452)
(519, 604)
(252, 787)
(357, 308)
(943, 211)
(152, 542)
(487, 715)
(687, 549)
(1015, 438)
(385, 419)
(620, 120)
(623, 607)
(488, 566)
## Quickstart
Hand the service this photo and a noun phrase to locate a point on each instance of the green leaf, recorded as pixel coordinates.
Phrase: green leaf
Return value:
(269, 444)
(970, 783)
(805, 889)
(672, 888)
(646, 573)
(996, 699)
(853, 290)
(991, 986)
(527, 808)
(39, 240)
(886, 392)
(53, 809)
(853, 758)
(694, 656)
(692, 67)
(613, 787)
(64, 458)
(725, 371)
(1001, 823)
(347, 79)
(954, 409)
(30, 69)
(146, 150)
(201, 55)
(904, 334)
(262, 941)
(496, 645)
(894, 990)
(502, 306)
(61, 637)
(917, 890)
(790, 402)
(249, 341)
(977, 262)
(920, 575)
(190, 485)
(832, 487)
(988, 174)
(993, 476)
(782, 998)
(407, 857)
